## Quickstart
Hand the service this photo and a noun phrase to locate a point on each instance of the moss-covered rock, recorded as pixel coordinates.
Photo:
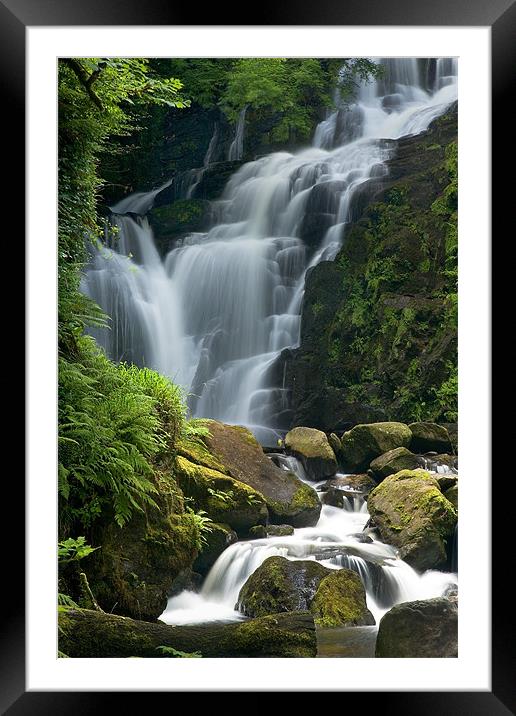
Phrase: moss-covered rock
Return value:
(313, 449)
(280, 585)
(429, 437)
(419, 629)
(393, 461)
(216, 541)
(363, 443)
(288, 499)
(133, 572)
(452, 495)
(178, 218)
(258, 532)
(225, 499)
(446, 480)
(412, 514)
(340, 600)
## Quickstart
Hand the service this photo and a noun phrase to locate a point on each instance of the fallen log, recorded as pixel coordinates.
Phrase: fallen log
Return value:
(93, 634)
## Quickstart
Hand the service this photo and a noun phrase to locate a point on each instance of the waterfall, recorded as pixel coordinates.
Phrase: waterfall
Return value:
(236, 149)
(336, 542)
(218, 310)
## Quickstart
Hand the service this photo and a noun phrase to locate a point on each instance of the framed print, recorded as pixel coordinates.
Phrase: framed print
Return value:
(257, 347)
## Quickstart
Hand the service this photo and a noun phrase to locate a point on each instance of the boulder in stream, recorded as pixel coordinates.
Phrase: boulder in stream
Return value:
(311, 446)
(429, 437)
(412, 514)
(281, 585)
(392, 462)
(340, 600)
(419, 629)
(364, 443)
(288, 499)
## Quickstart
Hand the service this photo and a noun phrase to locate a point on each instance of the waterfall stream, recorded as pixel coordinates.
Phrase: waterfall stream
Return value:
(336, 541)
(216, 312)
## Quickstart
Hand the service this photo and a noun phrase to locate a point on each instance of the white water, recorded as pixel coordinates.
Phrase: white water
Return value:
(387, 579)
(217, 311)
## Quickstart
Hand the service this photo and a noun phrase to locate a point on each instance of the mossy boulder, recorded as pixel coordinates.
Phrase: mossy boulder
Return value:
(446, 480)
(217, 540)
(364, 443)
(452, 495)
(429, 437)
(288, 499)
(178, 218)
(133, 572)
(412, 514)
(334, 441)
(340, 600)
(392, 462)
(280, 585)
(419, 629)
(223, 498)
(311, 446)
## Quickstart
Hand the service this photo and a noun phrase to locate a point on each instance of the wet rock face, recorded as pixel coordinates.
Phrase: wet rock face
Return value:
(363, 443)
(217, 540)
(412, 514)
(424, 629)
(313, 449)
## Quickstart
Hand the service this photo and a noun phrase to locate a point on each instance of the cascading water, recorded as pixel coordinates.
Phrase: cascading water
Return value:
(338, 540)
(217, 312)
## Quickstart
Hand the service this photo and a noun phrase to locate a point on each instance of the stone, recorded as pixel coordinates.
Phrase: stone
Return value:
(311, 446)
(452, 495)
(224, 499)
(365, 442)
(428, 437)
(393, 461)
(419, 629)
(340, 600)
(288, 499)
(412, 514)
(280, 585)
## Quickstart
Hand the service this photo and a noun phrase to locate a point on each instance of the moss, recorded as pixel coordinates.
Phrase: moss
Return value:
(198, 453)
(252, 636)
(280, 585)
(224, 499)
(340, 601)
(412, 514)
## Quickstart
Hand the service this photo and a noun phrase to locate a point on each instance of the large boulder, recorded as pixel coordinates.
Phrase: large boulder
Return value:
(419, 629)
(392, 462)
(412, 514)
(365, 442)
(340, 600)
(429, 437)
(281, 585)
(216, 541)
(223, 498)
(311, 446)
(134, 571)
(239, 455)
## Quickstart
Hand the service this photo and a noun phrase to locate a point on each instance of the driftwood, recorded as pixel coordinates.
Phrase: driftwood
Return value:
(88, 633)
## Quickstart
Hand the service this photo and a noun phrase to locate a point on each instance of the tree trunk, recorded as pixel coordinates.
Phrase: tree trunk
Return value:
(87, 633)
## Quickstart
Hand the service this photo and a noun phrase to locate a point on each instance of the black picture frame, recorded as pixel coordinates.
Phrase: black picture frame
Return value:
(15, 17)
